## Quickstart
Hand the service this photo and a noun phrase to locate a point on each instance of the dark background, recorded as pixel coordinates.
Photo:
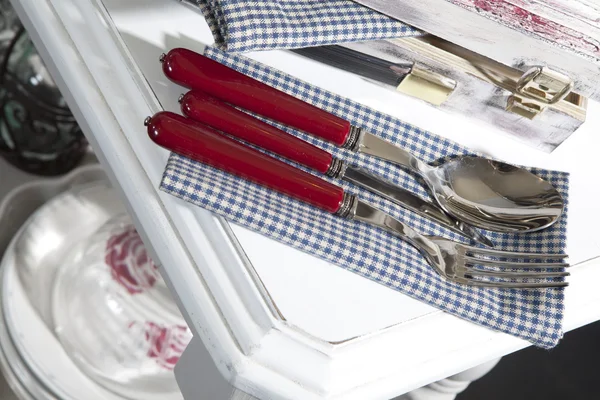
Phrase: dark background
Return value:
(569, 371)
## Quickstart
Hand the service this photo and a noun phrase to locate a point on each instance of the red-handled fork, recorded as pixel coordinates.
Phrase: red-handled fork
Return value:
(454, 261)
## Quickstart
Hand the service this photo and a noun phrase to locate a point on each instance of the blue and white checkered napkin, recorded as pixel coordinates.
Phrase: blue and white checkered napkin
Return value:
(535, 315)
(247, 25)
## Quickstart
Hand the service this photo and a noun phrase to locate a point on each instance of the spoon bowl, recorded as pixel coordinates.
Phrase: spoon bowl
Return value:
(488, 194)
(495, 196)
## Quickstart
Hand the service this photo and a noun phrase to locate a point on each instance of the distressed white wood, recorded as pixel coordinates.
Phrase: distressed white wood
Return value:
(280, 324)
(501, 36)
(579, 15)
(570, 23)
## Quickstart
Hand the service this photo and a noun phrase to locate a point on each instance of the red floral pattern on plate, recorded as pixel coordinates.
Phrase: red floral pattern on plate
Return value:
(129, 262)
(167, 343)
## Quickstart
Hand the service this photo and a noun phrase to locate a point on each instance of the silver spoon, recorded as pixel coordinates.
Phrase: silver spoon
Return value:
(487, 194)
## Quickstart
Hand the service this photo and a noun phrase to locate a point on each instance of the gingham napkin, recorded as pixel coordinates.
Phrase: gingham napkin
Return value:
(535, 315)
(246, 25)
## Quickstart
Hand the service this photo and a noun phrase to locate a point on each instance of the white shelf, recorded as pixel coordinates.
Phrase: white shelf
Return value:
(281, 324)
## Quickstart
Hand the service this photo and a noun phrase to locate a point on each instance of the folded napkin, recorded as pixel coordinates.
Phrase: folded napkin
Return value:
(535, 315)
(246, 25)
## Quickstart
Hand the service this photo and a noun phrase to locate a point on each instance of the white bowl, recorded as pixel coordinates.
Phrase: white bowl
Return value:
(32, 357)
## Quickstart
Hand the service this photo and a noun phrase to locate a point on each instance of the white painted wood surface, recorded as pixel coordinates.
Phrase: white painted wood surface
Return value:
(580, 15)
(281, 324)
(198, 378)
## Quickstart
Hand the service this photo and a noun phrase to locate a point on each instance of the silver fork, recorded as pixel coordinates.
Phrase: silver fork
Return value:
(459, 262)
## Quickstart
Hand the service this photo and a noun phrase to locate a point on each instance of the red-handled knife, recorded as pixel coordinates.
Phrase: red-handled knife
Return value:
(196, 71)
(202, 143)
(211, 111)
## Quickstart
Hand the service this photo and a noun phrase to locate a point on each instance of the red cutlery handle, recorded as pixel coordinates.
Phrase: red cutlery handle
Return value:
(196, 71)
(204, 144)
(211, 111)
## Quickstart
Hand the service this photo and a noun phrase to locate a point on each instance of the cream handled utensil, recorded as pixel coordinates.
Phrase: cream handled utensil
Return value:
(488, 194)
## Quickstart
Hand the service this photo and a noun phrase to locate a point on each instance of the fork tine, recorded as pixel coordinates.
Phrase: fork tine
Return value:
(512, 254)
(512, 264)
(518, 285)
(514, 275)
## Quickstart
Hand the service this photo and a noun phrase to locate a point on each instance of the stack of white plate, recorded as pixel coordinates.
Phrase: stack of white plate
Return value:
(39, 365)
(42, 355)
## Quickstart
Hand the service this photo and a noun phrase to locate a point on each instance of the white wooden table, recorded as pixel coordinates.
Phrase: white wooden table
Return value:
(278, 323)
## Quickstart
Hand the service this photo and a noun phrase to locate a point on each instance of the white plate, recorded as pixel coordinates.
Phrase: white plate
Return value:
(38, 347)
(19, 377)
(34, 357)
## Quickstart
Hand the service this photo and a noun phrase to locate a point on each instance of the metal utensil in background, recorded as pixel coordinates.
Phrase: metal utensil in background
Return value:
(406, 78)
(38, 133)
(211, 111)
(492, 92)
(488, 194)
